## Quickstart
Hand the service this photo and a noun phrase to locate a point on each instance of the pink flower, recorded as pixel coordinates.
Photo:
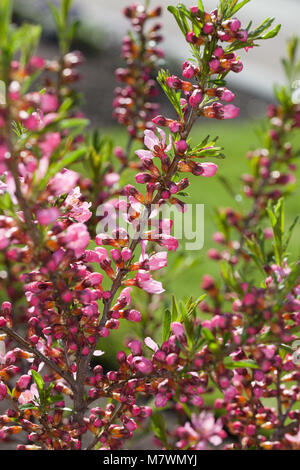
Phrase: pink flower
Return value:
(214, 64)
(77, 238)
(47, 216)
(230, 111)
(151, 344)
(111, 178)
(49, 103)
(37, 62)
(157, 147)
(181, 146)
(136, 347)
(3, 391)
(79, 210)
(195, 98)
(158, 261)
(210, 169)
(125, 294)
(29, 395)
(177, 329)
(143, 365)
(31, 121)
(170, 242)
(63, 182)
(207, 428)
(227, 95)
(148, 284)
(161, 400)
(134, 315)
(23, 381)
(188, 70)
(50, 143)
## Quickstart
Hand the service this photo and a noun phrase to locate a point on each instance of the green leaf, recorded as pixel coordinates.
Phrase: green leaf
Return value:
(288, 235)
(159, 428)
(28, 406)
(231, 364)
(175, 309)
(276, 216)
(38, 380)
(272, 33)
(6, 7)
(236, 7)
(166, 331)
(73, 122)
(207, 334)
(200, 5)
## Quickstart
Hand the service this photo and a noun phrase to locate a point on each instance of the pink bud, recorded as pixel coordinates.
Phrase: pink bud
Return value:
(134, 315)
(230, 111)
(181, 146)
(234, 24)
(219, 51)
(227, 95)
(161, 400)
(209, 169)
(126, 254)
(208, 28)
(3, 391)
(214, 64)
(23, 381)
(47, 216)
(143, 365)
(177, 329)
(195, 98)
(136, 347)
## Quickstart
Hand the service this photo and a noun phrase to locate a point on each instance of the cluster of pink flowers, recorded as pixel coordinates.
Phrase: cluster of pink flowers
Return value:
(133, 103)
(71, 286)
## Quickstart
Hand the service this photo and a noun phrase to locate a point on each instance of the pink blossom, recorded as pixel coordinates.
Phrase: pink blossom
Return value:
(3, 391)
(136, 347)
(125, 294)
(148, 284)
(210, 169)
(79, 210)
(134, 316)
(230, 111)
(111, 178)
(195, 98)
(63, 182)
(158, 261)
(207, 428)
(77, 238)
(151, 344)
(177, 329)
(161, 400)
(29, 395)
(49, 103)
(23, 381)
(143, 365)
(170, 242)
(37, 62)
(156, 146)
(47, 216)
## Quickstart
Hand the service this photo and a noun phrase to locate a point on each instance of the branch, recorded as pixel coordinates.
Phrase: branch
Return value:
(27, 346)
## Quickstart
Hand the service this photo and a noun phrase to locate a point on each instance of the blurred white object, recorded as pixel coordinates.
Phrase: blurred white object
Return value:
(2, 351)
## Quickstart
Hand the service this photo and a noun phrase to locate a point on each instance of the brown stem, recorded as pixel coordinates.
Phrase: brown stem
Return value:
(27, 346)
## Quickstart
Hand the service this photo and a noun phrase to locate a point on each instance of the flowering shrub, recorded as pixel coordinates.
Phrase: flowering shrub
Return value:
(67, 286)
